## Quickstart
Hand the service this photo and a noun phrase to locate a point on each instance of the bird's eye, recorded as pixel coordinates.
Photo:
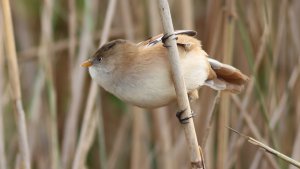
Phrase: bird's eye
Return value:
(97, 60)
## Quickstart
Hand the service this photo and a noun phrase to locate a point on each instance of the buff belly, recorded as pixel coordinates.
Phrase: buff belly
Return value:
(150, 88)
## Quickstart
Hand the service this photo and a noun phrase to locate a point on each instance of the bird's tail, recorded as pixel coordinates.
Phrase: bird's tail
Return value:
(227, 77)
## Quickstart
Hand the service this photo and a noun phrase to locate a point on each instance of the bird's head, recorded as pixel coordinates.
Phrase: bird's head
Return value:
(107, 53)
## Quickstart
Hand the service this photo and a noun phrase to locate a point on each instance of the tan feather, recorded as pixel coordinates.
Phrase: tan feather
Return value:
(228, 77)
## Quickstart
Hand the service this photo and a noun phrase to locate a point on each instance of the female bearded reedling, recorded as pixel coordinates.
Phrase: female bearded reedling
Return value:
(140, 74)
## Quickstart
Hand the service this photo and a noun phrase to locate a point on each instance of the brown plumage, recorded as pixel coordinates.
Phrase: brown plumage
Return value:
(227, 76)
(140, 74)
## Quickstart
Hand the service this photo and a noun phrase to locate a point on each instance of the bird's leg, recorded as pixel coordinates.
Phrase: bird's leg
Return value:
(193, 95)
(165, 37)
(185, 119)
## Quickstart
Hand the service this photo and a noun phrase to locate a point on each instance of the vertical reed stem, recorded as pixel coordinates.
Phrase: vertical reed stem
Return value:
(46, 62)
(180, 88)
(2, 139)
(225, 99)
(15, 84)
(79, 154)
(77, 83)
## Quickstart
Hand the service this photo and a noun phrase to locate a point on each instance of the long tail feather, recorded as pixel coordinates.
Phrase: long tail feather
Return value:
(228, 77)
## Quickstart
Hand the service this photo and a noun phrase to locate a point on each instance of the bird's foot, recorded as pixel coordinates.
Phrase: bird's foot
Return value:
(184, 120)
(165, 37)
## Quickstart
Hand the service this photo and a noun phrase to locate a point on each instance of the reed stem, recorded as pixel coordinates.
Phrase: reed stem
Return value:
(15, 85)
(180, 88)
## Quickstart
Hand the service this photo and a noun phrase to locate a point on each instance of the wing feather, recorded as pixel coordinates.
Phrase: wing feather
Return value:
(158, 38)
(228, 77)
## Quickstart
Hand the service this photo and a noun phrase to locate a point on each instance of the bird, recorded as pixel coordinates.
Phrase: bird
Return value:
(140, 73)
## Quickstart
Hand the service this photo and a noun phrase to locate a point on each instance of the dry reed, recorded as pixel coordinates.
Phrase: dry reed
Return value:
(163, 141)
(3, 162)
(228, 41)
(182, 98)
(79, 153)
(118, 142)
(77, 83)
(136, 158)
(46, 62)
(269, 149)
(15, 85)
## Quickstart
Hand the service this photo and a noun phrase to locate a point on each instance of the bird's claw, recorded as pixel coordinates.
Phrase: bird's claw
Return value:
(184, 120)
(165, 37)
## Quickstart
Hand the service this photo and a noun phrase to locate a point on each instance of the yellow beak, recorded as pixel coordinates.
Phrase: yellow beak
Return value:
(87, 63)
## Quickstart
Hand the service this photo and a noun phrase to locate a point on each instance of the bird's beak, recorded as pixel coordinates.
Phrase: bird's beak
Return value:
(87, 63)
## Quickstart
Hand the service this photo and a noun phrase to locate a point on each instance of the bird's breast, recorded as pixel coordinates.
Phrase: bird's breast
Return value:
(148, 83)
(138, 85)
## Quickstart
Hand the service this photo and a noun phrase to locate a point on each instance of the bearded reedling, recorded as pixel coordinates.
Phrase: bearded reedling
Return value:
(140, 74)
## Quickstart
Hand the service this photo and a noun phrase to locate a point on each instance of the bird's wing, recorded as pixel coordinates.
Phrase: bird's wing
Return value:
(227, 77)
(158, 38)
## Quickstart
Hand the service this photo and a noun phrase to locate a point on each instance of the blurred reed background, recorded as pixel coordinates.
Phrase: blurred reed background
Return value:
(73, 124)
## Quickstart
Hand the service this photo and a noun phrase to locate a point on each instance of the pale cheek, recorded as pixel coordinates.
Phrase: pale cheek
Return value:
(101, 75)
(93, 72)
(108, 68)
